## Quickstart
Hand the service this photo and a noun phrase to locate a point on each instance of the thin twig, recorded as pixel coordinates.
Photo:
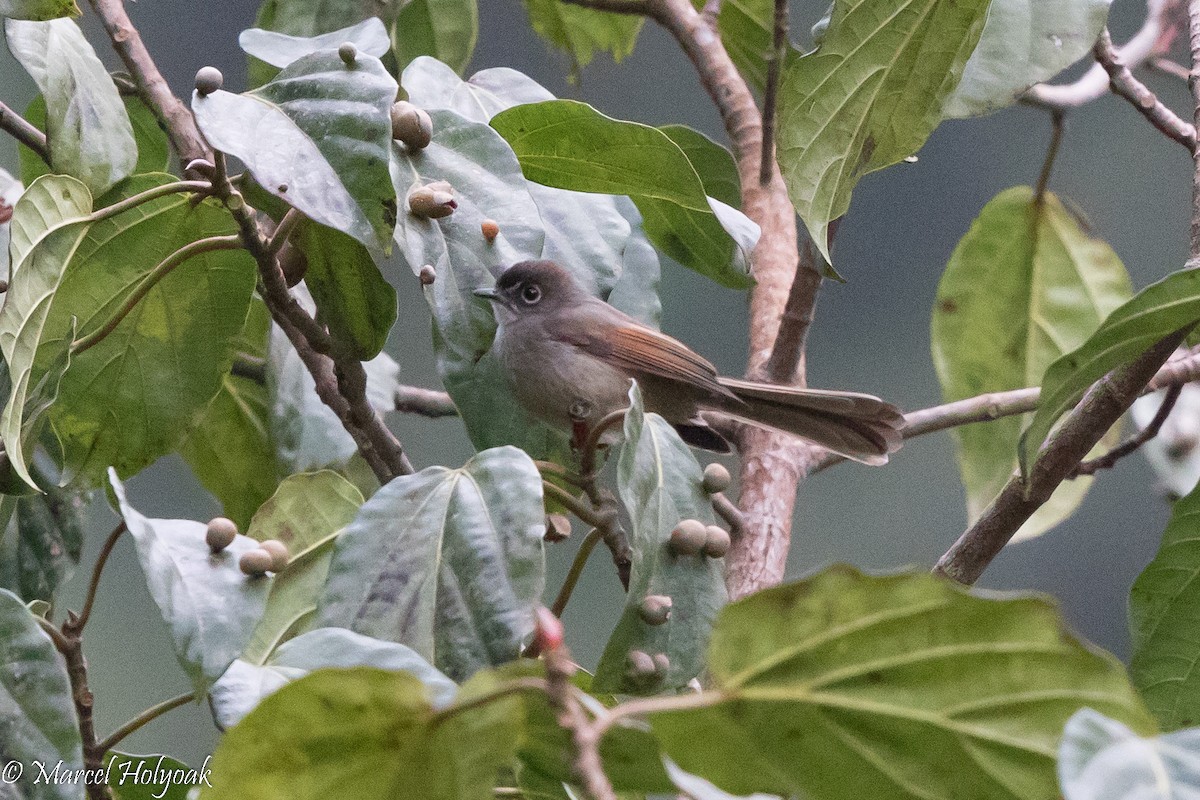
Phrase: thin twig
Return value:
(726, 510)
(1170, 67)
(152, 87)
(1130, 445)
(71, 648)
(1094, 83)
(425, 402)
(577, 564)
(152, 279)
(1057, 128)
(508, 689)
(1125, 85)
(284, 229)
(771, 92)
(573, 504)
(147, 716)
(634, 7)
(75, 625)
(24, 132)
(995, 405)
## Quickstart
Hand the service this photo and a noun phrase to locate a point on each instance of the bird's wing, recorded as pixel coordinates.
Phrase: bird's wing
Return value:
(638, 350)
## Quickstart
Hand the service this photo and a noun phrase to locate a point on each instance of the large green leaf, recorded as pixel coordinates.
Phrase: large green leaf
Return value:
(1153, 313)
(37, 714)
(570, 145)
(1025, 43)
(902, 686)
(10, 192)
(130, 398)
(1102, 759)
(317, 137)
(659, 482)
(229, 445)
(868, 97)
(43, 541)
(209, 605)
(89, 133)
(1025, 285)
(47, 225)
(365, 734)
(308, 19)
(306, 513)
(444, 29)
(38, 10)
(712, 162)
(446, 561)
(246, 683)
(279, 49)
(582, 32)
(352, 297)
(1163, 605)
(431, 85)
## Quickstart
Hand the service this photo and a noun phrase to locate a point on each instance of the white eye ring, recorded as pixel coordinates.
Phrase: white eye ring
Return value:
(531, 294)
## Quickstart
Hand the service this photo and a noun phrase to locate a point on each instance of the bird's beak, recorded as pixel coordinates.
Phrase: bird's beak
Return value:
(487, 294)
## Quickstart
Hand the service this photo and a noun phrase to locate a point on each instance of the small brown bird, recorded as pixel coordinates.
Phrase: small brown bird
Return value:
(568, 355)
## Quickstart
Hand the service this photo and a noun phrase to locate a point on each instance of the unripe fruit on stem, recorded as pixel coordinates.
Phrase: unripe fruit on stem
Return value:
(688, 538)
(655, 609)
(348, 53)
(433, 201)
(490, 229)
(294, 264)
(661, 664)
(428, 275)
(220, 533)
(716, 478)
(547, 630)
(208, 80)
(411, 125)
(279, 554)
(716, 541)
(640, 667)
(255, 562)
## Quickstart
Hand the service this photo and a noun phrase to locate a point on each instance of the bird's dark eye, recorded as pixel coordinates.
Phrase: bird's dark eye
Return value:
(531, 293)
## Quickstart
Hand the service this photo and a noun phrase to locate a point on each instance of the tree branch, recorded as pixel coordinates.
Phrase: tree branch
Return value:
(74, 624)
(24, 132)
(1131, 445)
(1095, 82)
(1124, 84)
(771, 92)
(152, 87)
(994, 405)
(426, 402)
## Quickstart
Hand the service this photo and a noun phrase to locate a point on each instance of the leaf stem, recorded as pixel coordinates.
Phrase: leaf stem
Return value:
(199, 187)
(24, 132)
(573, 504)
(74, 625)
(284, 229)
(1058, 123)
(149, 715)
(650, 705)
(516, 686)
(162, 270)
(1109, 459)
(577, 564)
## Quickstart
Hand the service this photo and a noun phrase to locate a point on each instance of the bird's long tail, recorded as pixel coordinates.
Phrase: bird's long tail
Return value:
(858, 426)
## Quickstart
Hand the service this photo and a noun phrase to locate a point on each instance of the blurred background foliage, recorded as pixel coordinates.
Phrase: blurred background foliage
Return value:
(871, 334)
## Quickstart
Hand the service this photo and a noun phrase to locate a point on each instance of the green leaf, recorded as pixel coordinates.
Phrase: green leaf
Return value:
(448, 562)
(868, 97)
(570, 145)
(306, 513)
(582, 32)
(279, 49)
(901, 686)
(229, 445)
(153, 149)
(362, 733)
(245, 683)
(712, 162)
(209, 605)
(48, 532)
(89, 133)
(1024, 44)
(431, 85)
(308, 19)
(38, 10)
(36, 711)
(10, 191)
(353, 299)
(151, 777)
(444, 29)
(165, 361)
(1102, 759)
(332, 121)
(747, 31)
(1025, 285)
(307, 434)
(659, 482)
(1162, 607)
(1153, 313)
(46, 228)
